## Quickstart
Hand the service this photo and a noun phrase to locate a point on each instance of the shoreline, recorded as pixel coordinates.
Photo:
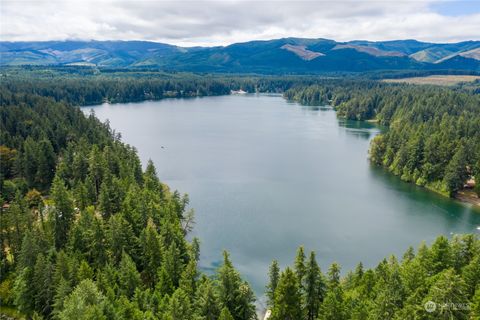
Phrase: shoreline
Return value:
(468, 196)
(465, 196)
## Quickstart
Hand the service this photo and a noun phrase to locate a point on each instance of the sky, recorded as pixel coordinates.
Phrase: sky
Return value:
(211, 23)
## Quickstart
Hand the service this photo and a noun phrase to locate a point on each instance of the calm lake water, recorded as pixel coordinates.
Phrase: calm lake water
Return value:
(266, 176)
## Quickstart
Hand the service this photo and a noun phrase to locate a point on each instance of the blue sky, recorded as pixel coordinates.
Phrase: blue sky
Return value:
(456, 8)
(221, 22)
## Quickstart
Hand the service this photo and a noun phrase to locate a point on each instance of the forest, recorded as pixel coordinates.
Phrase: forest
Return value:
(87, 233)
(447, 273)
(87, 86)
(433, 136)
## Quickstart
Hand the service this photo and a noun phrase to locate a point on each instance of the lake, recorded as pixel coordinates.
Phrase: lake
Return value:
(265, 176)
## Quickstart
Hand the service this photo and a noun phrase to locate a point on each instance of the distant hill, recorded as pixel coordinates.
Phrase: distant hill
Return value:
(287, 55)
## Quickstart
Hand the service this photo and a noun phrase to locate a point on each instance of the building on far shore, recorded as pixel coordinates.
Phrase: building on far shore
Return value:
(238, 91)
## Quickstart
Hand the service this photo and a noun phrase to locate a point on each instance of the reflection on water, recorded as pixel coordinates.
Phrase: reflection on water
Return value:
(266, 176)
(457, 216)
(360, 129)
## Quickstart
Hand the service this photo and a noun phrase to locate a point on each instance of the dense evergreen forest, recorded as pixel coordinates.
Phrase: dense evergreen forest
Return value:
(86, 233)
(446, 274)
(86, 86)
(433, 136)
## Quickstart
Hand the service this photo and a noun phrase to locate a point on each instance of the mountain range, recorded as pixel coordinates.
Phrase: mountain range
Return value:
(286, 55)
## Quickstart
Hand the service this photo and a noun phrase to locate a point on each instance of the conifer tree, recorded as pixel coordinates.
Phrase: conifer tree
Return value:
(63, 211)
(440, 255)
(46, 159)
(84, 271)
(225, 315)
(456, 171)
(206, 301)
(180, 307)
(121, 238)
(300, 268)
(448, 291)
(24, 291)
(128, 276)
(471, 275)
(188, 279)
(195, 249)
(62, 290)
(315, 288)
(173, 263)
(333, 307)
(29, 251)
(234, 294)
(475, 308)
(462, 250)
(85, 302)
(151, 253)
(245, 303)
(164, 283)
(42, 282)
(390, 292)
(274, 275)
(17, 218)
(96, 168)
(150, 178)
(288, 298)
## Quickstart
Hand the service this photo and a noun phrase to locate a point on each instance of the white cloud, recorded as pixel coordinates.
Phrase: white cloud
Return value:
(223, 22)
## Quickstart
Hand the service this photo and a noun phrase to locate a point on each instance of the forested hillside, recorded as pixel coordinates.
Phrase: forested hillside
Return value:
(433, 136)
(276, 56)
(86, 234)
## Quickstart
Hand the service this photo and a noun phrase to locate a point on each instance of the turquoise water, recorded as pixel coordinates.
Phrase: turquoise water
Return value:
(265, 176)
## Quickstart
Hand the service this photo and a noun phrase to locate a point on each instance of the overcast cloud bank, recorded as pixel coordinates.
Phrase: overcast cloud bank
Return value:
(190, 23)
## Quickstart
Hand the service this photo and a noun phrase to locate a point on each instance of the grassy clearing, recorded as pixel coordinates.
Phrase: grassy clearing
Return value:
(441, 80)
